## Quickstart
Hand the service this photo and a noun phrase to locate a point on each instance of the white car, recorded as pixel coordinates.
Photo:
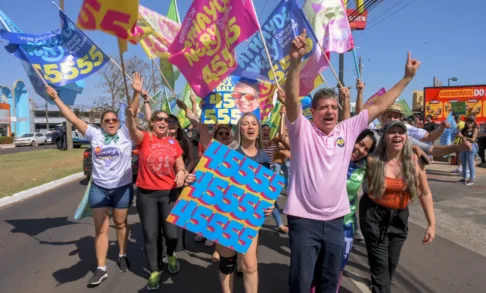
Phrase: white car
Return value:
(33, 139)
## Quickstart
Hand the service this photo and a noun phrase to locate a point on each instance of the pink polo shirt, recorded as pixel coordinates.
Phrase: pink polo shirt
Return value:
(317, 188)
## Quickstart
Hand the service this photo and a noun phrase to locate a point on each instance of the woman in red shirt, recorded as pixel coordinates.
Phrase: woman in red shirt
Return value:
(161, 171)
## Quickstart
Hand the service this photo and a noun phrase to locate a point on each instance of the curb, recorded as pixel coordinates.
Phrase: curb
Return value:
(39, 189)
(7, 146)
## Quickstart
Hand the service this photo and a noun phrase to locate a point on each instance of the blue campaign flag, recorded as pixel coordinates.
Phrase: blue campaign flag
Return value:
(306, 104)
(285, 22)
(121, 113)
(67, 93)
(64, 56)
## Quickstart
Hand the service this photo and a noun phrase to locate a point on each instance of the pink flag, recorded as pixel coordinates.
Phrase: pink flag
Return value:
(204, 48)
(330, 23)
(373, 98)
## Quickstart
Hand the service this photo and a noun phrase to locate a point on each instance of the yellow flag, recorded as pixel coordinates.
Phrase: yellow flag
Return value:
(161, 32)
(115, 17)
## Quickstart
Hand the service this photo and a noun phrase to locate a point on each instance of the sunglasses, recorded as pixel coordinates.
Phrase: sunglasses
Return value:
(110, 120)
(161, 119)
(223, 133)
(172, 122)
(248, 97)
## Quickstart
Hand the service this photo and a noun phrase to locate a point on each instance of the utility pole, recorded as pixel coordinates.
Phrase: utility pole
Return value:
(69, 131)
(47, 118)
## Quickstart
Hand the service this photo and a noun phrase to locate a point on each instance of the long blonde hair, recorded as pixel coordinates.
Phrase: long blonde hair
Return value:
(237, 139)
(376, 171)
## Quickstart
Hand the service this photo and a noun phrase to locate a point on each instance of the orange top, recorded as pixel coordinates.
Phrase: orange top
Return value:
(395, 195)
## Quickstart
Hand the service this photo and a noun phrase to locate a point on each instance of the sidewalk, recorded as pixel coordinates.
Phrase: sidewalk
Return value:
(7, 146)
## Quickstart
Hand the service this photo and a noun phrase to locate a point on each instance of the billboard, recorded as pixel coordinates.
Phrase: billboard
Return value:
(357, 21)
(438, 101)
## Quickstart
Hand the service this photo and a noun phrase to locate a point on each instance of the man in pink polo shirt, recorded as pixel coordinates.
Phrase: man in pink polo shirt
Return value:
(321, 151)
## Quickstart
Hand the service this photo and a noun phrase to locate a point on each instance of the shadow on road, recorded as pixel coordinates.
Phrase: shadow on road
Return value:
(34, 227)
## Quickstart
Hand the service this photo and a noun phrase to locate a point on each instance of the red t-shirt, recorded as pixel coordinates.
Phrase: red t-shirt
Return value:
(156, 162)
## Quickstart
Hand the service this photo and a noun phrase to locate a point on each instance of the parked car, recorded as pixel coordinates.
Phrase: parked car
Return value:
(32, 139)
(88, 162)
(49, 138)
(78, 139)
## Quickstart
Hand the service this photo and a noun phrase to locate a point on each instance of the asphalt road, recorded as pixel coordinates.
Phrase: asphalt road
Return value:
(26, 149)
(44, 250)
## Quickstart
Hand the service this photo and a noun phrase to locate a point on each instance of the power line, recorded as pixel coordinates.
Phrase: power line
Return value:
(403, 7)
(374, 20)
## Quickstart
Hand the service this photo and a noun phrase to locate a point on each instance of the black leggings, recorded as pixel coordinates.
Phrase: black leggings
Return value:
(154, 207)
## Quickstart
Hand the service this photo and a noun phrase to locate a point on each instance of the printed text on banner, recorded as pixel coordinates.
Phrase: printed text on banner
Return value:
(227, 201)
(204, 48)
(64, 56)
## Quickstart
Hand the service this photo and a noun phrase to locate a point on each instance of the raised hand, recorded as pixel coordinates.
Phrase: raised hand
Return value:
(345, 93)
(145, 95)
(137, 82)
(130, 111)
(192, 96)
(411, 66)
(299, 46)
(360, 85)
(181, 105)
(52, 93)
(281, 96)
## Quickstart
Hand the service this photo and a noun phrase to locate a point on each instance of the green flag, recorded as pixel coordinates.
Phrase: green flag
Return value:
(274, 120)
(170, 73)
(405, 108)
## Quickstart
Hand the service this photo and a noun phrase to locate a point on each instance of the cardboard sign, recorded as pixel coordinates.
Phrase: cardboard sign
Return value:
(227, 201)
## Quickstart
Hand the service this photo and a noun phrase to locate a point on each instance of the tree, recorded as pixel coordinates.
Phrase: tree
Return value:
(113, 84)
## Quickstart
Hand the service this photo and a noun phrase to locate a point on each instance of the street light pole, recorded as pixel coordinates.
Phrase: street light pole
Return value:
(453, 79)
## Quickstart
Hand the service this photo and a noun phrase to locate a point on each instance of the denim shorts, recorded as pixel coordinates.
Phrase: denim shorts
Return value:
(119, 198)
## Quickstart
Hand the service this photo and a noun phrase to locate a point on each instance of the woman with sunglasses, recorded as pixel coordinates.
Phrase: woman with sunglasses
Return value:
(248, 141)
(111, 186)
(161, 172)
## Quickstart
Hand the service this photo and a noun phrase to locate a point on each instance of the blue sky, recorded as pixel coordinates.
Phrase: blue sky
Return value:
(446, 37)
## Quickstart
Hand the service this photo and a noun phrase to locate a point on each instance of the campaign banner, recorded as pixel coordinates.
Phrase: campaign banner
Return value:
(233, 97)
(115, 17)
(67, 93)
(373, 98)
(64, 56)
(226, 203)
(204, 49)
(163, 32)
(279, 30)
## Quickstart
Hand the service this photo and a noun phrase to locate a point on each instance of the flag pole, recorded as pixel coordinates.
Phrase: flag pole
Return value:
(120, 51)
(330, 65)
(113, 61)
(323, 79)
(266, 48)
(356, 64)
(165, 79)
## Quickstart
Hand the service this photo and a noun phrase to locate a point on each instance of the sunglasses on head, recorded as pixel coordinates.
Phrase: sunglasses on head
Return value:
(110, 120)
(161, 119)
(248, 97)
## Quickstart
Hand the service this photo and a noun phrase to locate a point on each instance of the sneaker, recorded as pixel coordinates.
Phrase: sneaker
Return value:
(123, 264)
(358, 236)
(458, 170)
(153, 281)
(199, 239)
(283, 229)
(98, 277)
(173, 265)
(469, 183)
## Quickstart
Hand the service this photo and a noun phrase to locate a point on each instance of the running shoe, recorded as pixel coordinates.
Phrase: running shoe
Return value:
(173, 264)
(153, 282)
(123, 264)
(98, 277)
